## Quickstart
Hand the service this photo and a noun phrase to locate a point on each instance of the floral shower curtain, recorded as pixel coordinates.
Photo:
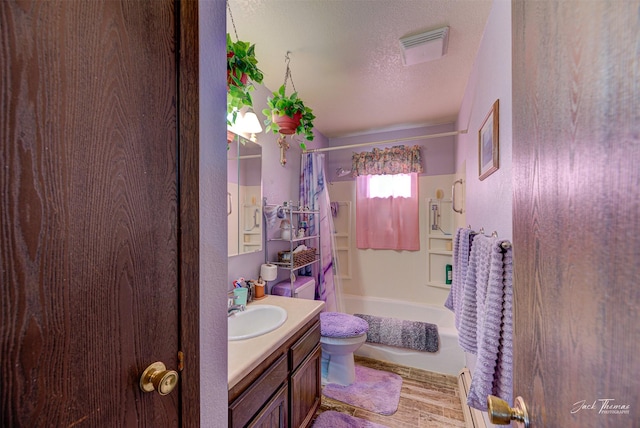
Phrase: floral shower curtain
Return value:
(315, 196)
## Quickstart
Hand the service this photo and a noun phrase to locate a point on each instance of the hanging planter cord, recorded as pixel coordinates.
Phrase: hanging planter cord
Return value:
(287, 74)
(233, 23)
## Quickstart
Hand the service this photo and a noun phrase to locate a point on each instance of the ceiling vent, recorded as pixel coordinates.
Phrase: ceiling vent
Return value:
(425, 46)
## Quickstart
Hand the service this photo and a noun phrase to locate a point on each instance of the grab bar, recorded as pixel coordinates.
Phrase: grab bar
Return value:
(453, 196)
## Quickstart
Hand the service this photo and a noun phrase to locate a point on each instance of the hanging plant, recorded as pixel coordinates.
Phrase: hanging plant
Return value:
(242, 72)
(288, 115)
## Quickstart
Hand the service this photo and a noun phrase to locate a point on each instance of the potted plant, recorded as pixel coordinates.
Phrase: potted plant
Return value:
(242, 71)
(288, 115)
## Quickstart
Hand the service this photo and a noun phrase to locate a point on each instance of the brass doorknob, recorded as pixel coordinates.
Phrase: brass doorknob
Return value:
(157, 377)
(501, 414)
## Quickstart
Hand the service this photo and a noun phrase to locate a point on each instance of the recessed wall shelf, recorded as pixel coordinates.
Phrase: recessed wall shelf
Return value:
(440, 241)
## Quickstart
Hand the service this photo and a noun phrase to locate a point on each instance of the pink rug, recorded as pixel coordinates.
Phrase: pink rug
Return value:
(373, 390)
(332, 419)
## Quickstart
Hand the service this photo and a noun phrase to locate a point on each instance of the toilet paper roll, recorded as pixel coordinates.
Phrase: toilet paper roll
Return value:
(268, 271)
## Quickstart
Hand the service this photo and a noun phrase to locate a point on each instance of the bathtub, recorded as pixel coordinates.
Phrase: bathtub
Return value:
(449, 359)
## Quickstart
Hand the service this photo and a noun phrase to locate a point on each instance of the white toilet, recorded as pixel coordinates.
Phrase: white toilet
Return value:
(340, 336)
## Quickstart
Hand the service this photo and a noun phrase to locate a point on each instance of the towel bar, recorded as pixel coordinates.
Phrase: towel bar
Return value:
(453, 196)
(505, 245)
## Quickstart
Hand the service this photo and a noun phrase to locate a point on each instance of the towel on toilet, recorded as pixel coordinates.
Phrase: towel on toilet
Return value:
(417, 335)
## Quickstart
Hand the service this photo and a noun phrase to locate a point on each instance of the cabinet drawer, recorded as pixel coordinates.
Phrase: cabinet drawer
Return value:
(251, 401)
(304, 346)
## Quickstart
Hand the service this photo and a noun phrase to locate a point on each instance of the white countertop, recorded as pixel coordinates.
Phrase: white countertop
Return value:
(245, 355)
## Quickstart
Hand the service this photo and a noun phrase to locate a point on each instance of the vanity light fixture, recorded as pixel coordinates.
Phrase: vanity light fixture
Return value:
(251, 125)
(235, 127)
(246, 123)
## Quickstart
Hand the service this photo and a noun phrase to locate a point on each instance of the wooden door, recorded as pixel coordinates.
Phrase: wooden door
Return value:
(92, 193)
(576, 163)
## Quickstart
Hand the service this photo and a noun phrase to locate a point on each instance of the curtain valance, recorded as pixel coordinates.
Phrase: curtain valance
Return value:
(394, 160)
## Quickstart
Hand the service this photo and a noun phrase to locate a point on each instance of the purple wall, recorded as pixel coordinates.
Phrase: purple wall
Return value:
(213, 232)
(488, 202)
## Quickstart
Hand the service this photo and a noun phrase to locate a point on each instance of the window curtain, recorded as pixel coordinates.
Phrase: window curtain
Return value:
(390, 223)
(396, 160)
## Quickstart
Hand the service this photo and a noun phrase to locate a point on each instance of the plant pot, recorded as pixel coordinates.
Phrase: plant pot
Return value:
(243, 77)
(287, 125)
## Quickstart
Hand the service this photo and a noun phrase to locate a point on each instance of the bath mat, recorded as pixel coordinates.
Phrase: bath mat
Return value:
(333, 419)
(420, 336)
(373, 390)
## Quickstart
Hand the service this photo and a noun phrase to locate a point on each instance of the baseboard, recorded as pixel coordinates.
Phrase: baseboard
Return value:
(473, 417)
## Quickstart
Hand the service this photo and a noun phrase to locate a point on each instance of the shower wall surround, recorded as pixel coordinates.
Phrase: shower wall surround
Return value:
(398, 275)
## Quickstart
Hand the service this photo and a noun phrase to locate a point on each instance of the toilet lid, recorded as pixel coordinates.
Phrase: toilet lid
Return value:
(337, 324)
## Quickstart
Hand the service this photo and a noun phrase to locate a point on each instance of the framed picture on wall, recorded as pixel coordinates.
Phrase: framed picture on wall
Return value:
(488, 144)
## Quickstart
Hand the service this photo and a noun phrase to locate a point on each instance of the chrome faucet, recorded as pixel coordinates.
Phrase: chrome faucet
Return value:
(233, 308)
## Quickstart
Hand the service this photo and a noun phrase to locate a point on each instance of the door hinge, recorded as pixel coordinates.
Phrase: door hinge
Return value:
(180, 361)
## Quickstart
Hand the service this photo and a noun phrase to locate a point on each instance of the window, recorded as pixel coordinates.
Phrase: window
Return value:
(387, 212)
(386, 186)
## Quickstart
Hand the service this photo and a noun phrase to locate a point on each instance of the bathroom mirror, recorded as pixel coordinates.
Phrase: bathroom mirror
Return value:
(244, 196)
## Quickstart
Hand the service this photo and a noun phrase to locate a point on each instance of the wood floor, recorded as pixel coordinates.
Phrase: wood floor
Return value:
(427, 399)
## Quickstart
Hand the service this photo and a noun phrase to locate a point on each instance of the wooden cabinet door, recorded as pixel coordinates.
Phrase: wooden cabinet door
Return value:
(306, 389)
(89, 193)
(275, 413)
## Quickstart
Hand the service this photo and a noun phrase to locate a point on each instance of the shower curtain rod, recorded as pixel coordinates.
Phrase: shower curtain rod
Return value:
(397, 140)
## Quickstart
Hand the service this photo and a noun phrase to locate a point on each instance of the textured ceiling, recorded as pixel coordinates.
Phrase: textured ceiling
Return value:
(346, 62)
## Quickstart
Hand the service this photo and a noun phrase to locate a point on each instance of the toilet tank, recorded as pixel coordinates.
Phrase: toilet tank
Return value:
(304, 288)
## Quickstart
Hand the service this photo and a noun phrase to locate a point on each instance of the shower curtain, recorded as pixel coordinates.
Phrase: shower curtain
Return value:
(315, 196)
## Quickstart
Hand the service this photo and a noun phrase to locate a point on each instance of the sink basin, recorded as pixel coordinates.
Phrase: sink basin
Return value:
(255, 321)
